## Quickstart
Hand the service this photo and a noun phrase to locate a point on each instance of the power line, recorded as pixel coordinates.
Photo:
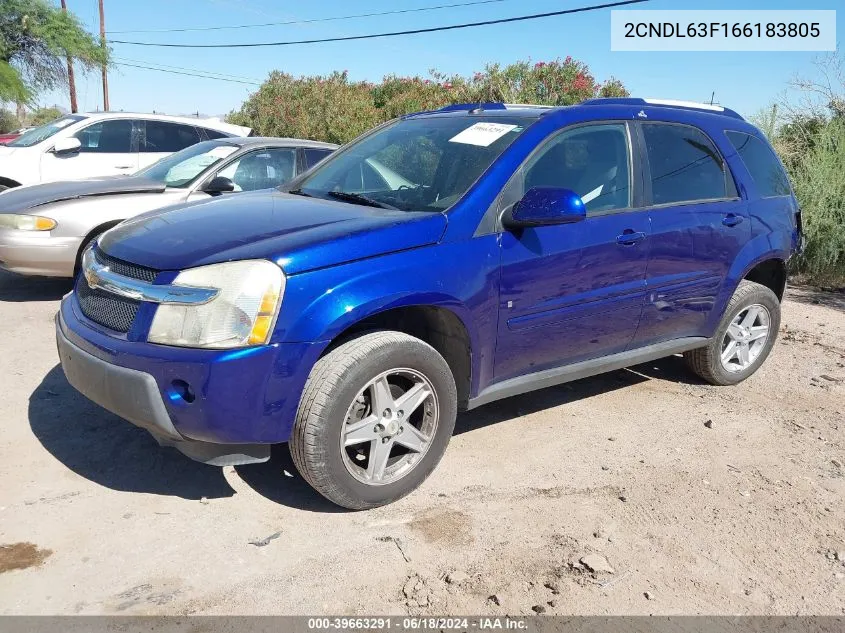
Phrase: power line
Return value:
(177, 72)
(313, 20)
(450, 27)
(146, 63)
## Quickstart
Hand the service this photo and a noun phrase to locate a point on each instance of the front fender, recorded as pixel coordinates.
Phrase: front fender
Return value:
(461, 277)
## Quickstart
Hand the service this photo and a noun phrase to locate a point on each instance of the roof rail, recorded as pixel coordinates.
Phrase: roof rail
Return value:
(487, 105)
(666, 103)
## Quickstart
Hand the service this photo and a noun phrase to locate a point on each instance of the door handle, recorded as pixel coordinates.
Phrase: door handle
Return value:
(630, 237)
(732, 219)
(123, 166)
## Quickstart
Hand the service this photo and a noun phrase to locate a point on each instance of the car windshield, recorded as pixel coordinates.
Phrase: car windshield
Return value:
(416, 164)
(183, 167)
(43, 132)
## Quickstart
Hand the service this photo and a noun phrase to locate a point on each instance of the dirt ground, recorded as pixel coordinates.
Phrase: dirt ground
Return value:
(679, 497)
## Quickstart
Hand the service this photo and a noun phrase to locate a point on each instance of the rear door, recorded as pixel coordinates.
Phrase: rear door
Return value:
(699, 223)
(162, 138)
(574, 292)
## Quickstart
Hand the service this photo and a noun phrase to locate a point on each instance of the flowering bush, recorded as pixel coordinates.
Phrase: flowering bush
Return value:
(333, 108)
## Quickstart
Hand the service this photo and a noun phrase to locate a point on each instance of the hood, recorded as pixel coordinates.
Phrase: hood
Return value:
(299, 233)
(25, 198)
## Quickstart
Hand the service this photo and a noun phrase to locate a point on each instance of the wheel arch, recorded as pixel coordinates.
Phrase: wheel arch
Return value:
(97, 230)
(8, 182)
(439, 325)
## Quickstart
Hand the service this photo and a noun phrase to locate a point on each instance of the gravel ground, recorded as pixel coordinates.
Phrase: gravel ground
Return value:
(641, 491)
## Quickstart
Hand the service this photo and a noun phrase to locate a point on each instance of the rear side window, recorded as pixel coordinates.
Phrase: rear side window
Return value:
(762, 164)
(685, 165)
(314, 156)
(163, 136)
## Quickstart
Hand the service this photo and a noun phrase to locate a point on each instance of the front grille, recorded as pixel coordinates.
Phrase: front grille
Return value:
(109, 310)
(125, 268)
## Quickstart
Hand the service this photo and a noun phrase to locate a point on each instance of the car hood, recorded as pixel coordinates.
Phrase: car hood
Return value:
(299, 233)
(32, 196)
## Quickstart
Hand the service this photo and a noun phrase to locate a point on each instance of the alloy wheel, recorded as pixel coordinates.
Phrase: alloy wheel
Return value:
(745, 338)
(389, 426)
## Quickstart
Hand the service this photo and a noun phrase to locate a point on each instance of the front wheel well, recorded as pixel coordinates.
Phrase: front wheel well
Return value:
(92, 234)
(439, 327)
(8, 182)
(770, 273)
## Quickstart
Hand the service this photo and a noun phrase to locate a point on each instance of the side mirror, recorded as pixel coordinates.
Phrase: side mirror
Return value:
(218, 185)
(545, 206)
(67, 146)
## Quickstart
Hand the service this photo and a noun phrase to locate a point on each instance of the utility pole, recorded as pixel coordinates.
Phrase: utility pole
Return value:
(103, 44)
(70, 79)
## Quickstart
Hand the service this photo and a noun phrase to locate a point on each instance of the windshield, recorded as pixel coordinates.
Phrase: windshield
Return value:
(418, 164)
(42, 133)
(182, 168)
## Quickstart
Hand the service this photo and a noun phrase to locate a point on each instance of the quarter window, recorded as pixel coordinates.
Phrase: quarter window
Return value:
(762, 164)
(314, 156)
(166, 137)
(106, 137)
(685, 165)
(593, 161)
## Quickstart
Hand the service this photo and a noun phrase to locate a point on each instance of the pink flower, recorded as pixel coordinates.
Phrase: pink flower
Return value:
(448, 85)
(568, 59)
(539, 65)
(427, 81)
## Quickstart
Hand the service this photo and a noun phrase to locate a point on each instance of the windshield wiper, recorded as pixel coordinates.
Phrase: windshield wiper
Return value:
(357, 198)
(300, 192)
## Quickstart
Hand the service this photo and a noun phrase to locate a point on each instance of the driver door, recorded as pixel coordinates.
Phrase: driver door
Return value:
(573, 292)
(108, 148)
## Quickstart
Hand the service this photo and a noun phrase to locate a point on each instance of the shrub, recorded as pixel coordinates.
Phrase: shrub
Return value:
(818, 176)
(332, 108)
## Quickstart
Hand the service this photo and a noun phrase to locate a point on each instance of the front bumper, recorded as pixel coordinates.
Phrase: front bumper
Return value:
(38, 253)
(217, 406)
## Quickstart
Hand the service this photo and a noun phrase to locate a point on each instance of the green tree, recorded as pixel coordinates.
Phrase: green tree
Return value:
(35, 40)
(8, 121)
(43, 115)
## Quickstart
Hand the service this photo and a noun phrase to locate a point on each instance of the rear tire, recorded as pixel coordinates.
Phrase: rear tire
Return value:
(744, 338)
(353, 440)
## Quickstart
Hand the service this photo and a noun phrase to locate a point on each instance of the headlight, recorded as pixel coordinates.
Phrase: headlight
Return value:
(243, 312)
(26, 222)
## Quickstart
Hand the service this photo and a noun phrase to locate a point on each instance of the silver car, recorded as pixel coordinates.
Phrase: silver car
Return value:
(45, 227)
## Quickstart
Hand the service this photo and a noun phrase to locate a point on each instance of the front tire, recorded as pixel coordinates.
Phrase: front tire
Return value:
(374, 419)
(744, 338)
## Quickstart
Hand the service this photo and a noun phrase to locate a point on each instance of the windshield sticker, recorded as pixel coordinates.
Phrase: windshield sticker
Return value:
(221, 152)
(482, 134)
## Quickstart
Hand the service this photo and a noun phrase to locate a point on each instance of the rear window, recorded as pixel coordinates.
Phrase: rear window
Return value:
(762, 163)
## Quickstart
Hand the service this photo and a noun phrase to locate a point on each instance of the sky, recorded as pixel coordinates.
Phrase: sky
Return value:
(745, 81)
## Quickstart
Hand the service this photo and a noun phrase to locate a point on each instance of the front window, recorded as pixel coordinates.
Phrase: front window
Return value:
(182, 168)
(43, 132)
(264, 169)
(419, 164)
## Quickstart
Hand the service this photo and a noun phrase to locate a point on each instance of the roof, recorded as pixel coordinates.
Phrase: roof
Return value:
(247, 141)
(213, 123)
(490, 109)
(666, 103)
(536, 111)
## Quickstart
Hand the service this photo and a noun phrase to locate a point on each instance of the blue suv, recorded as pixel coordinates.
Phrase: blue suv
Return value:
(440, 262)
